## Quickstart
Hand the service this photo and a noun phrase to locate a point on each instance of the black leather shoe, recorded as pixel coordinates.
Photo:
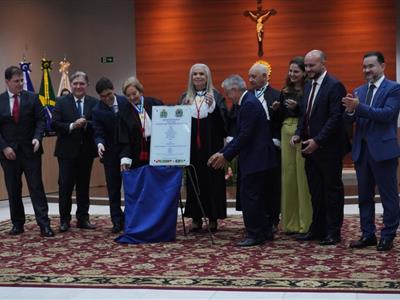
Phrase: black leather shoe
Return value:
(308, 236)
(15, 230)
(85, 225)
(269, 236)
(64, 226)
(330, 240)
(46, 231)
(117, 227)
(364, 242)
(248, 242)
(384, 245)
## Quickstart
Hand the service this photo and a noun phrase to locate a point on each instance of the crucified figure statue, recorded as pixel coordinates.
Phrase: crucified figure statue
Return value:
(260, 16)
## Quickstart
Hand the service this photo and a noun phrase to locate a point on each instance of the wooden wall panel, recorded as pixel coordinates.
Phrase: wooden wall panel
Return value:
(171, 35)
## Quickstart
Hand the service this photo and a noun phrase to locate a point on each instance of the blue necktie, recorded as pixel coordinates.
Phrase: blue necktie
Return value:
(79, 107)
(369, 94)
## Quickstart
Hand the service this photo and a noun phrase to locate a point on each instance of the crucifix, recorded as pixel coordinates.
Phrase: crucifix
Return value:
(260, 16)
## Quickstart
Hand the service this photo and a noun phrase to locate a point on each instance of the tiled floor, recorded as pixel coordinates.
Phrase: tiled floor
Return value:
(14, 293)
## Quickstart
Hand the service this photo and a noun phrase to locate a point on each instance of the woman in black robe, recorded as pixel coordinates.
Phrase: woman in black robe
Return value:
(207, 137)
(136, 117)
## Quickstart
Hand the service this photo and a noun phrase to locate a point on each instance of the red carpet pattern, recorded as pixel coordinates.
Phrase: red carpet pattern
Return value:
(86, 258)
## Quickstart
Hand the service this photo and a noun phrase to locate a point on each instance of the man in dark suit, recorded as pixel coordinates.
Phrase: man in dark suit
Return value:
(320, 128)
(75, 150)
(260, 87)
(106, 131)
(257, 157)
(375, 109)
(21, 132)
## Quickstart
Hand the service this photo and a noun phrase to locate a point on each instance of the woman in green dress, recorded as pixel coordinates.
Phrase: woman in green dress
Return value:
(296, 200)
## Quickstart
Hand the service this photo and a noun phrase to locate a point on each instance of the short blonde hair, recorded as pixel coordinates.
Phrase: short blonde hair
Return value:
(132, 81)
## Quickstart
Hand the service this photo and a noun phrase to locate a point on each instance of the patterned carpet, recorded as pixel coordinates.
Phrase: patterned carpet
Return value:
(84, 258)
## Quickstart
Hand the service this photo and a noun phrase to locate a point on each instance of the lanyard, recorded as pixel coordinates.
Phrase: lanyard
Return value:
(198, 108)
(140, 107)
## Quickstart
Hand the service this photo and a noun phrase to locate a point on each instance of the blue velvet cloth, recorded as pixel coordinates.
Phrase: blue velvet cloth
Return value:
(151, 204)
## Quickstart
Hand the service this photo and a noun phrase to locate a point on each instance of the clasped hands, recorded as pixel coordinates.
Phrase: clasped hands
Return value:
(350, 103)
(309, 146)
(79, 123)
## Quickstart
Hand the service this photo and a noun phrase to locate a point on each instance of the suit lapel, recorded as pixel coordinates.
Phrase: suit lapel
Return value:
(23, 98)
(72, 106)
(86, 107)
(318, 95)
(362, 93)
(377, 97)
(239, 115)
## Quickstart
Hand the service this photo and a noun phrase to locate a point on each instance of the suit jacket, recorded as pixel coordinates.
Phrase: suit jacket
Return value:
(149, 102)
(325, 123)
(271, 95)
(253, 142)
(71, 144)
(130, 133)
(31, 125)
(106, 128)
(377, 124)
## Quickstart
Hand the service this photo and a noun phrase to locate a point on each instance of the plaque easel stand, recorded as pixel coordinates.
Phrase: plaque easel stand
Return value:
(195, 184)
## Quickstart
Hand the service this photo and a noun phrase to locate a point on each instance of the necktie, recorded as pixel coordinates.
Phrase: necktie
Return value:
(308, 111)
(369, 94)
(15, 109)
(79, 107)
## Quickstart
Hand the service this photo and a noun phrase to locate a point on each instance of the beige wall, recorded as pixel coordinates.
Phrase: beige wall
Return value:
(84, 30)
(50, 171)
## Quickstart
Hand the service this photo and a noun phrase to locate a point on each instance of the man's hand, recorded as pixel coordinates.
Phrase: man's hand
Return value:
(217, 161)
(9, 153)
(350, 103)
(294, 140)
(36, 145)
(80, 123)
(100, 150)
(309, 146)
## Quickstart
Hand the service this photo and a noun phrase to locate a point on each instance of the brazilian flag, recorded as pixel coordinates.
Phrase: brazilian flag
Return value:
(47, 96)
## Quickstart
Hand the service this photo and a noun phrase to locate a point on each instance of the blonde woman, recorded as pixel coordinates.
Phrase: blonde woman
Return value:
(207, 137)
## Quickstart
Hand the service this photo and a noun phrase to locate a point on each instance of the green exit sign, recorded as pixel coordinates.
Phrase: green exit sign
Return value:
(107, 59)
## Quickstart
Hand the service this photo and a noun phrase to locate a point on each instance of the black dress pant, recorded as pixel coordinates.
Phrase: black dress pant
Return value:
(327, 195)
(273, 186)
(252, 197)
(113, 180)
(74, 172)
(32, 168)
